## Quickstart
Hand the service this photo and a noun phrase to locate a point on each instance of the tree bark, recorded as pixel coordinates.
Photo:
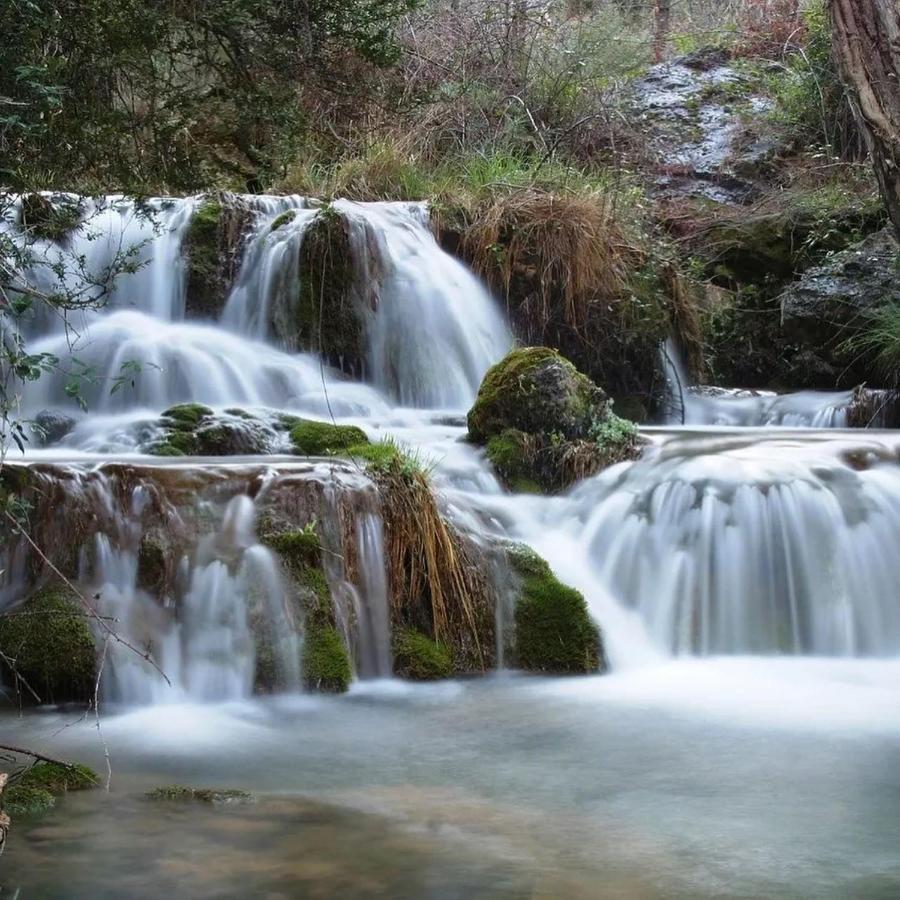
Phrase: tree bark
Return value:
(662, 17)
(866, 35)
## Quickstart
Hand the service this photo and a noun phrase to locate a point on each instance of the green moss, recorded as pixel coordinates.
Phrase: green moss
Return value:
(509, 454)
(49, 638)
(22, 801)
(299, 548)
(554, 632)
(326, 665)
(311, 438)
(534, 389)
(187, 415)
(151, 571)
(284, 219)
(418, 657)
(325, 661)
(181, 794)
(57, 779)
(328, 319)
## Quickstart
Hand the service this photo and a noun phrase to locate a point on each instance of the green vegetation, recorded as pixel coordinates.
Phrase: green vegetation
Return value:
(284, 219)
(312, 438)
(326, 663)
(51, 643)
(419, 658)
(545, 424)
(53, 221)
(879, 338)
(554, 632)
(36, 789)
(215, 797)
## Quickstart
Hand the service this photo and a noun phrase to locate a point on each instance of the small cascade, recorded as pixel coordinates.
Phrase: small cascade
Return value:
(372, 610)
(740, 546)
(435, 330)
(689, 404)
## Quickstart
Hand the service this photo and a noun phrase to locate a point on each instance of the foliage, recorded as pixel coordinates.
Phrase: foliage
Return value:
(49, 640)
(419, 658)
(554, 631)
(137, 93)
(879, 338)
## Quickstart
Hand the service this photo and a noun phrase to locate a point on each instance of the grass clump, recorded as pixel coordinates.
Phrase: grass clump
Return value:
(180, 794)
(312, 438)
(418, 657)
(554, 631)
(879, 338)
(51, 643)
(36, 789)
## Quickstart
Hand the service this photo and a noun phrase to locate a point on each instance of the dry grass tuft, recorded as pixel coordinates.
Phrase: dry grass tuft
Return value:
(436, 587)
(573, 245)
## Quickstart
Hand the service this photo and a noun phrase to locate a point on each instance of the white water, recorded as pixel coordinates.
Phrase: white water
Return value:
(770, 542)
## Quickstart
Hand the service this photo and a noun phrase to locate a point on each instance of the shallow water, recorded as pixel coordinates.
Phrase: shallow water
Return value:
(719, 778)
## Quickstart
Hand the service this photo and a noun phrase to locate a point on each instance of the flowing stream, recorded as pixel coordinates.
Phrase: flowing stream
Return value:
(746, 743)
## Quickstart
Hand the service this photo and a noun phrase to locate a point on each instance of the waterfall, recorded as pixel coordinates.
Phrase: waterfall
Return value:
(372, 600)
(753, 542)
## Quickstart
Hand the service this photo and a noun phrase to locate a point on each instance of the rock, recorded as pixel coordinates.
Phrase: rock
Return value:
(50, 427)
(313, 438)
(554, 632)
(832, 303)
(191, 429)
(545, 424)
(419, 658)
(534, 389)
(51, 641)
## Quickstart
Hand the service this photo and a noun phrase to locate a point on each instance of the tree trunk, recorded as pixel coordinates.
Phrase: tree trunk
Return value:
(662, 16)
(867, 51)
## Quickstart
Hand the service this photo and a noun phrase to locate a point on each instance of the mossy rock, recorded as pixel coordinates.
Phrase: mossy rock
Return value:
(36, 789)
(192, 429)
(51, 642)
(152, 568)
(328, 318)
(283, 219)
(554, 633)
(419, 658)
(326, 664)
(534, 390)
(511, 455)
(325, 661)
(215, 797)
(313, 438)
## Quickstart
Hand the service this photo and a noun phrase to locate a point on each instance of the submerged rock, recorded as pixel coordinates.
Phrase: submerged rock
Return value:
(545, 424)
(191, 429)
(554, 632)
(212, 796)
(50, 427)
(50, 640)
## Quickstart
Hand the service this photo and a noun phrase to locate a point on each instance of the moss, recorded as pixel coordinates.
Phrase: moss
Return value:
(239, 413)
(203, 240)
(57, 778)
(180, 794)
(534, 389)
(49, 638)
(311, 438)
(554, 632)
(326, 665)
(22, 801)
(36, 789)
(328, 319)
(325, 662)
(510, 456)
(187, 415)
(418, 657)
(299, 548)
(284, 219)
(151, 571)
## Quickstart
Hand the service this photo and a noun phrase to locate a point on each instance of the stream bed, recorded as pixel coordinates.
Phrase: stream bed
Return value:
(727, 778)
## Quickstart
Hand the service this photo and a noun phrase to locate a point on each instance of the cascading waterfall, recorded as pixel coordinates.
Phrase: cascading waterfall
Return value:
(765, 543)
